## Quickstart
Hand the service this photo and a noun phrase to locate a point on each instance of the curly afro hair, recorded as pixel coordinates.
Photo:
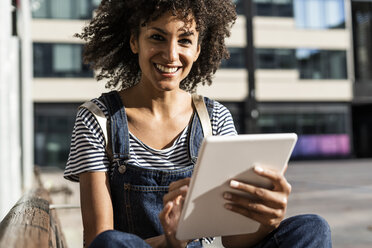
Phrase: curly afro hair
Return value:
(107, 36)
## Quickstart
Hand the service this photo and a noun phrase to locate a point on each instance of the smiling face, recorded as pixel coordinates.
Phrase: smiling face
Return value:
(167, 49)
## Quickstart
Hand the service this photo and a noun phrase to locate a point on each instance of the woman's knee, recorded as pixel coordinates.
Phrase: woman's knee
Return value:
(313, 222)
(105, 238)
(310, 230)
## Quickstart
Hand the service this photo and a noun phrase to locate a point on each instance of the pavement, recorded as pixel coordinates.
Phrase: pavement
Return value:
(338, 190)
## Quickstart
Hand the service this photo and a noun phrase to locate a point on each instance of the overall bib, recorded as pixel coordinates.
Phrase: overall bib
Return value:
(137, 192)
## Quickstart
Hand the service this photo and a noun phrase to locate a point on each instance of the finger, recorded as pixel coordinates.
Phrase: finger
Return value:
(177, 207)
(277, 178)
(164, 215)
(274, 210)
(165, 218)
(172, 195)
(259, 217)
(270, 198)
(261, 210)
(179, 183)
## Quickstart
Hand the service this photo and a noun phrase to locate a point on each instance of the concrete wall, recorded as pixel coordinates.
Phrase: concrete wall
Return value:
(10, 146)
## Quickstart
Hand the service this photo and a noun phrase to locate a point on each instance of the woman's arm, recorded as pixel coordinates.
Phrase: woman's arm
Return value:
(96, 206)
(268, 206)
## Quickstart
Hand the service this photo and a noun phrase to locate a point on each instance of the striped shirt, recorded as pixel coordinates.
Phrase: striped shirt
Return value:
(87, 152)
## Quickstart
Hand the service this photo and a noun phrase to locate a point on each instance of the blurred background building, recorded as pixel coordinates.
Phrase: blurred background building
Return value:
(312, 64)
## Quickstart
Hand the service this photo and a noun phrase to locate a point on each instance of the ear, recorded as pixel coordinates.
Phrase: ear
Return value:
(197, 53)
(133, 43)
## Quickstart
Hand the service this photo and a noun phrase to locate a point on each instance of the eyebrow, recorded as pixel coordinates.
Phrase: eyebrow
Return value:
(184, 34)
(188, 33)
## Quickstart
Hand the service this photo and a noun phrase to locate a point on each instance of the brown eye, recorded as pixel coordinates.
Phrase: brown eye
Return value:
(185, 42)
(157, 37)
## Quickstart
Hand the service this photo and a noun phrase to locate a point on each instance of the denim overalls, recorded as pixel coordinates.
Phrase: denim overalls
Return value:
(137, 192)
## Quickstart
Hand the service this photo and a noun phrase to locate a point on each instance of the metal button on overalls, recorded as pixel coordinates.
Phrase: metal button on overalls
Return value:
(122, 168)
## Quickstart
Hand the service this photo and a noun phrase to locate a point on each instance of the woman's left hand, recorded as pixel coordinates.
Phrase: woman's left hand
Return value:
(267, 206)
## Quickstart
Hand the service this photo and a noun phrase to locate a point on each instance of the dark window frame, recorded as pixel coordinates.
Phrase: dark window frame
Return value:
(44, 66)
(73, 14)
(53, 125)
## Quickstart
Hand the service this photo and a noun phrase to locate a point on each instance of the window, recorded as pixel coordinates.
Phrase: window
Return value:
(321, 64)
(95, 3)
(282, 8)
(239, 7)
(323, 130)
(275, 58)
(53, 128)
(319, 14)
(66, 9)
(236, 60)
(312, 64)
(59, 60)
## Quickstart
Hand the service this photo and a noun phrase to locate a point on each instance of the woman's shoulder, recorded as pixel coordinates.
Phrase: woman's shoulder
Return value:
(87, 151)
(216, 105)
(222, 121)
(84, 112)
(219, 109)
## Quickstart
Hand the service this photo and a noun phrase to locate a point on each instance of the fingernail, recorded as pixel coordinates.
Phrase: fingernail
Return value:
(227, 196)
(178, 200)
(228, 206)
(234, 183)
(258, 168)
(184, 187)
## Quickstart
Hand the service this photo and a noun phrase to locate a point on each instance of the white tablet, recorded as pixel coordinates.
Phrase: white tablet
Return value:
(222, 158)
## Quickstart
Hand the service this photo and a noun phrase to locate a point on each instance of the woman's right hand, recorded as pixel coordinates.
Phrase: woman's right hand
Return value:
(170, 215)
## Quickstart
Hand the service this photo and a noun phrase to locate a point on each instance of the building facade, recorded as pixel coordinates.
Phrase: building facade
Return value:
(312, 74)
(16, 142)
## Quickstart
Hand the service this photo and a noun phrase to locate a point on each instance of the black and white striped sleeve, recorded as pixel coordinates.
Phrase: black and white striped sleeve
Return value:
(222, 121)
(87, 151)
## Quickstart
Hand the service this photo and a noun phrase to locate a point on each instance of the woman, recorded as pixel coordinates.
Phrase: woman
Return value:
(156, 52)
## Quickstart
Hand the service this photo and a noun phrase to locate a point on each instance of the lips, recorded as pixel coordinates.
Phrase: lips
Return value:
(166, 69)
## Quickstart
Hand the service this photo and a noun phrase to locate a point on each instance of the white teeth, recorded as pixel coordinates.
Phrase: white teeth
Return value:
(166, 69)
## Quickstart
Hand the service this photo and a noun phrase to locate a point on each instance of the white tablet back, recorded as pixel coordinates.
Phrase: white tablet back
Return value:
(222, 158)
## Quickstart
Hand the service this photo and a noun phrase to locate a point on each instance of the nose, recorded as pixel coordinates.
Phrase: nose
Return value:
(171, 51)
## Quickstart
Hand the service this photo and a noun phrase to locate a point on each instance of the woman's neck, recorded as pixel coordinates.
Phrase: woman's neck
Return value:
(163, 104)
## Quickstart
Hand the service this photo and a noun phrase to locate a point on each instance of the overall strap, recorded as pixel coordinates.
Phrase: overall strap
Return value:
(202, 112)
(119, 133)
(201, 125)
(115, 149)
